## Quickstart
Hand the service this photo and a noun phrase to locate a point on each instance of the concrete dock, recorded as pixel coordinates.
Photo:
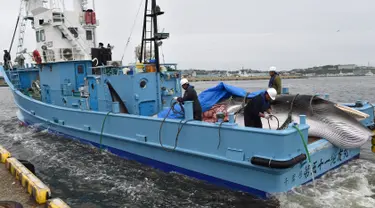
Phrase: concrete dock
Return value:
(11, 190)
(20, 186)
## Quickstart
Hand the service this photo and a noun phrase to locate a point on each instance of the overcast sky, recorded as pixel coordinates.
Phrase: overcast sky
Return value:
(218, 34)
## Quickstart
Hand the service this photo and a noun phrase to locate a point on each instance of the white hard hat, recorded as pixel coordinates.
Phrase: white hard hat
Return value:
(184, 81)
(272, 68)
(272, 93)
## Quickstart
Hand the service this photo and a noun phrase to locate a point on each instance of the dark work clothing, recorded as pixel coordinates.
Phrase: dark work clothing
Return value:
(7, 59)
(101, 58)
(253, 122)
(256, 105)
(191, 95)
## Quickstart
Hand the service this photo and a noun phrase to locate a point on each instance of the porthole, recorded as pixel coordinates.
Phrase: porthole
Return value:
(142, 84)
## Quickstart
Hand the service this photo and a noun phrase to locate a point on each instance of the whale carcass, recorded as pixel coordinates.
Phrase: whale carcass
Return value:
(338, 124)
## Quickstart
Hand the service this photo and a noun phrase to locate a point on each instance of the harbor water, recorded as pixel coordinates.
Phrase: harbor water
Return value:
(83, 176)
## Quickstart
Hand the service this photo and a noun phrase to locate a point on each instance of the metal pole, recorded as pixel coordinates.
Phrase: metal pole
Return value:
(156, 47)
(14, 34)
(143, 32)
(94, 29)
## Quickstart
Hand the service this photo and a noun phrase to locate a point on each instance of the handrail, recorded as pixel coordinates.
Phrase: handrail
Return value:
(57, 55)
(118, 70)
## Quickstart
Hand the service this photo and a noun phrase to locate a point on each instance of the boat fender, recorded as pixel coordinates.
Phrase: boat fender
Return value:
(36, 56)
(56, 203)
(97, 61)
(34, 186)
(28, 165)
(277, 164)
(4, 154)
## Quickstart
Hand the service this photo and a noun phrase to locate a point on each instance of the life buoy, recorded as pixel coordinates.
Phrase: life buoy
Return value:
(36, 57)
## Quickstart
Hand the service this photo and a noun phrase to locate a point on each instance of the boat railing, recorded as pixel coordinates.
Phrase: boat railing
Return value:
(61, 54)
(132, 69)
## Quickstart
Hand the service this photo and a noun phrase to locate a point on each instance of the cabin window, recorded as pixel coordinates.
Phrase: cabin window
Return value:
(80, 69)
(40, 36)
(37, 36)
(88, 35)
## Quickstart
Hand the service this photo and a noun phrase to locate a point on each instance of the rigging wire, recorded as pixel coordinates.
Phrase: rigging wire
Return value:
(14, 34)
(132, 29)
(161, 48)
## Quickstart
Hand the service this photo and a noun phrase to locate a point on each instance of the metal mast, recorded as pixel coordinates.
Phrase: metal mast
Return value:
(150, 35)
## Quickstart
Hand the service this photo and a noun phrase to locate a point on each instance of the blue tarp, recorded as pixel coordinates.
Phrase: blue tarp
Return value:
(210, 97)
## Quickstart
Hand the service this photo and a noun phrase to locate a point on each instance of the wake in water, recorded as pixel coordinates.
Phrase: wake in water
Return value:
(352, 185)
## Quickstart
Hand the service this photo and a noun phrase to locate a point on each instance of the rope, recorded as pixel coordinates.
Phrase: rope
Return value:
(182, 112)
(178, 132)
(312, 110)
(180, 126)
(289, 119)
(304, 143)
(101, 133)
(278, 123)
(162, 53)
(244, 100)
(131, 31)
(161, 126)
(242, 104)
(218, 145)
(179, 129)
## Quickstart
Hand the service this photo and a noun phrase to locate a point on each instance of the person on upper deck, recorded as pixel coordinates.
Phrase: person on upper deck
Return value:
(275, 80)
(191, 95)
(256, 107)
(7, 59)
(101, 56)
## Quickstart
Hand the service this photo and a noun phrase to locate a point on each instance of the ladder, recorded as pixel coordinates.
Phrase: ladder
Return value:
(15, 79)
(150, 35)
(77, 43)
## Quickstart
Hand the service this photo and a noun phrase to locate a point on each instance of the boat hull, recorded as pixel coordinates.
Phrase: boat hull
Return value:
(259, 181)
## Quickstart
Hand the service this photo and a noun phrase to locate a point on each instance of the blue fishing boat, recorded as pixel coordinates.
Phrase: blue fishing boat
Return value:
(75, 89)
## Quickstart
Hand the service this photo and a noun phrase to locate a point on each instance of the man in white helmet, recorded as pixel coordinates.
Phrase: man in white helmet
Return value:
(275, 80)
(256, 107)
(191, 95)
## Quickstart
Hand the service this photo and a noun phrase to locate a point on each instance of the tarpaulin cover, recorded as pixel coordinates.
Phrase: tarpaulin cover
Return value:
(210, 97)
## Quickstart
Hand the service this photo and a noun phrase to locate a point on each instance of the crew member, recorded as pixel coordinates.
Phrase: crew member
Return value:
(191, 95)
(103, 55)
(275, 80)
(255, 108)
(7, 59)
